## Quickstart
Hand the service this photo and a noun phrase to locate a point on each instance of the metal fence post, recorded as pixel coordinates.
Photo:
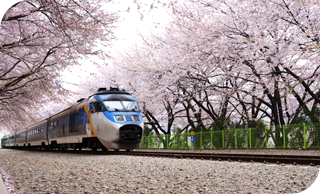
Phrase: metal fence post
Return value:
(250, 138)
(304, 136)
(211, 140)
(284, 136)
(266, 134)
(167, 140)
(200, 139)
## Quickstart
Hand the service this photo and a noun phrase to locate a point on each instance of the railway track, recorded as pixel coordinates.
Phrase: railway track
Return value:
(261, 158)
(231, 157)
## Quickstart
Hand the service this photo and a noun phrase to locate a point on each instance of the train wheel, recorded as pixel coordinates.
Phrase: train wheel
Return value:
(128, 150)
(94, 149)
(104, 149)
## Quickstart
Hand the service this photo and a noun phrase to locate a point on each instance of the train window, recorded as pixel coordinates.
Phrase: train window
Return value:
(130, 105)
(113, 105)
(73, 120)
(99, 107)
(57, 123)
(91, 107)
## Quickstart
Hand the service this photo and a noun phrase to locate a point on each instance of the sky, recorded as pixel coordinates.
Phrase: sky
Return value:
(129, 26)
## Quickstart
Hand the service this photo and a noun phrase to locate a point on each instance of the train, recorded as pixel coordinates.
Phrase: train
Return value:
(108, 120)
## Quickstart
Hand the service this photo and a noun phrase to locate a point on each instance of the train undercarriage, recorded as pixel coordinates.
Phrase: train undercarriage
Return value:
(92, 143)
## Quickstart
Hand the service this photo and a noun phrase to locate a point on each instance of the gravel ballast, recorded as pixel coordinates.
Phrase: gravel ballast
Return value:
(53, 172)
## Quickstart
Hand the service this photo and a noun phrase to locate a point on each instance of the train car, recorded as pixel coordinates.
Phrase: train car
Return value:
(109, 119)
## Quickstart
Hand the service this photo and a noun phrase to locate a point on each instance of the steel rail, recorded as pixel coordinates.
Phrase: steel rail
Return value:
(312, 160)
(237, 157)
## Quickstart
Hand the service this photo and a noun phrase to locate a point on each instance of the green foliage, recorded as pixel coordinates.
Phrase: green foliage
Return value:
(296, 136)
(222, 123)
(147, 131)
(306, 116)
(196, 129)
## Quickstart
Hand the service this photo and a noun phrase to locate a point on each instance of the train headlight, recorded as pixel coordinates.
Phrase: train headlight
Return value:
(119, 118)
(136, 118)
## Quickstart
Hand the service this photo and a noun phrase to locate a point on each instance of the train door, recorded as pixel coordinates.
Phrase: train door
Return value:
(96, 110)
(47, 132)
(73, 127)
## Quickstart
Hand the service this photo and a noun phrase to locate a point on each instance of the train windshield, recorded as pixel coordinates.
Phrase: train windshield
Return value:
(121, 105)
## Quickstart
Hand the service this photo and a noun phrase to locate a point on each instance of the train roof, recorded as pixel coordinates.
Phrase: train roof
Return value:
(111, 91)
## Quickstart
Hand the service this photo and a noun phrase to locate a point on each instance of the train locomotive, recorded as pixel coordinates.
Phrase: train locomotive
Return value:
(108, 119)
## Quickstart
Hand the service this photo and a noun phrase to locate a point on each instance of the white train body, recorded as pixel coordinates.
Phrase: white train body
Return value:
(109, 119)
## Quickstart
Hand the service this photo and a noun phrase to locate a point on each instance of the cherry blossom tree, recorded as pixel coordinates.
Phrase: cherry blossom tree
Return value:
(248, 60)
(230, 62)
(38, 40)
(272, 50)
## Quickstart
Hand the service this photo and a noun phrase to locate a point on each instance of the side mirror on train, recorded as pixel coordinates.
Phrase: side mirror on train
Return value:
(91, 107)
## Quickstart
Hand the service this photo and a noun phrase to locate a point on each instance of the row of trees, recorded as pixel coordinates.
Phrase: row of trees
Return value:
(226, 64)
(39, 39)
(216, 65)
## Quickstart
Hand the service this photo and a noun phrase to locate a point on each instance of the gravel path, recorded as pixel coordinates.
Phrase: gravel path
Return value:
(45, 172)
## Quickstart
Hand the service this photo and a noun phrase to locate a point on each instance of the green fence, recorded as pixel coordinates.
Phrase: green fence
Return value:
(290, 136)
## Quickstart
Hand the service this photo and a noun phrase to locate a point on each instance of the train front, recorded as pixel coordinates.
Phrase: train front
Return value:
(116, 119)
